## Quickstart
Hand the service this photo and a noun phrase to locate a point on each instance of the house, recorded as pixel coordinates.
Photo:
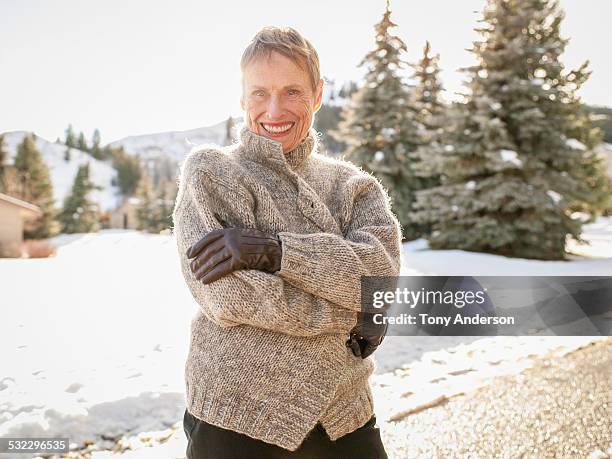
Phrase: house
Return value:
(125, 215)
(13, 213)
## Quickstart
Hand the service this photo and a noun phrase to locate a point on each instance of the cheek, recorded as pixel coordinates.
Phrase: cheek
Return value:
(303, 110)
(252, 110)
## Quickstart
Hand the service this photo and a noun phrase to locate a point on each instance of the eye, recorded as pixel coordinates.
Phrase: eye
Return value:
(258, 93)
(294, 92)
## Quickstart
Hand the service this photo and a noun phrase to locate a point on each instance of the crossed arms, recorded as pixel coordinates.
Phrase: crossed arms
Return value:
(317, 289)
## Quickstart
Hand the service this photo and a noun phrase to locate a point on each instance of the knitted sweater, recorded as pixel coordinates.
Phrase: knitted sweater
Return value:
(267, 355)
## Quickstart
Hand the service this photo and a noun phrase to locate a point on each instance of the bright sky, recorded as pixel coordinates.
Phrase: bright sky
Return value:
(141, 66)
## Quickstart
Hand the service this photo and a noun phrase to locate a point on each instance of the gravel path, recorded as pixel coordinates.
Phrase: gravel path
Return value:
(560, 408)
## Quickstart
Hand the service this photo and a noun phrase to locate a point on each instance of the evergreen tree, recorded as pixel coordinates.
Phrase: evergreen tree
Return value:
(329, 116)
(82, 143)
(70, 137)
(3, 165)
(379, 125)
(430, 119)
(128, 169)
(96, 150)
(145, 210)
(515, 167)
(229, 131)
(67, 154)
(34, 186)
(79, 213)
(165, 204)
(426, 96)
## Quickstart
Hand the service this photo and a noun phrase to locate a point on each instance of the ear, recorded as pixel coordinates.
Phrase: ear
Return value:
(318, 96)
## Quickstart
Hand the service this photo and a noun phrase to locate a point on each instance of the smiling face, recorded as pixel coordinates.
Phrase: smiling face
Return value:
(278, 99)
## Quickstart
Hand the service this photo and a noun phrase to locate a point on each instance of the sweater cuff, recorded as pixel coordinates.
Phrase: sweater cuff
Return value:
(297, 262)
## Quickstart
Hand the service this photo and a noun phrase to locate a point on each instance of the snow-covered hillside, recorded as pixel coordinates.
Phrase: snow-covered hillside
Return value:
(175, 144)
(63, 172)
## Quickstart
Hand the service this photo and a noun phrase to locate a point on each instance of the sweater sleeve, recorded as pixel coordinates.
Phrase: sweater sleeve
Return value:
(250, 297)
(330, 265)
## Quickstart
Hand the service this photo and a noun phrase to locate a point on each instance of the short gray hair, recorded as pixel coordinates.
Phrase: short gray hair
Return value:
(288, 42)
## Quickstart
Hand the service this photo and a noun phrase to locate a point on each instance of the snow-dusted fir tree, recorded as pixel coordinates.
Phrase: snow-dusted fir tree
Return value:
(426, 95)
(79, 213)
(515, 167)
(430, 116)
(378, 125)
(33, 184)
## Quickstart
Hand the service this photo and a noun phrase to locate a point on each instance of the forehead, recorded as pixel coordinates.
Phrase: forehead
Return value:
(274, 71)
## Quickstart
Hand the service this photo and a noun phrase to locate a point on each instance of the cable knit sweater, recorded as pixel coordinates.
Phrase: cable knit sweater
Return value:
(267, 355)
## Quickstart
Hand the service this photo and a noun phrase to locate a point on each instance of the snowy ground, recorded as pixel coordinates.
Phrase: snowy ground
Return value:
(96, 339)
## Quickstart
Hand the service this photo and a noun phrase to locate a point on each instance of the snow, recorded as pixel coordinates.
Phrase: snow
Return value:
(379, 156)
(99, 347)
(62, 173)
(470, 185)
(575, 144)
(556, 197)
(449, 148)
(510, 156)
(537, 81)
(388, 133)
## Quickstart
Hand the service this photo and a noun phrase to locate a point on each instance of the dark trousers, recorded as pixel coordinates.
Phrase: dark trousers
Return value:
(209, 441)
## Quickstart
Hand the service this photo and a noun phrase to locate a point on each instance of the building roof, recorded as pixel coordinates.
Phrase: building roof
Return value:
(25, 206)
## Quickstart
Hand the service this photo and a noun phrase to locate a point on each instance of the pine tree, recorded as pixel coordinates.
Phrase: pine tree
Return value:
(67, 154)
(82, 143)
(34, 186)
(3, 165)
(145, 210)
(165, 204)
(229, 131)
(70, 137)
(426, 96)
(129, 170)
(379, 125)
(511, 175)
(430, 118)
(79, 213)
(96, 151)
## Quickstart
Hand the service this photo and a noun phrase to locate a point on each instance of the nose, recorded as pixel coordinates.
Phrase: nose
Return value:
(274, 109)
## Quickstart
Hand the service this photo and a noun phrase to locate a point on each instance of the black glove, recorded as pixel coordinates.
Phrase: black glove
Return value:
(366, 336)
(224, 250)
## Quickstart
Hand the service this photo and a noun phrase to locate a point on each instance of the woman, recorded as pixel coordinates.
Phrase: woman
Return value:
(274, 238)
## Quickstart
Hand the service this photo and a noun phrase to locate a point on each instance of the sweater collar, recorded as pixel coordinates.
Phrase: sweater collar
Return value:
(264, 150)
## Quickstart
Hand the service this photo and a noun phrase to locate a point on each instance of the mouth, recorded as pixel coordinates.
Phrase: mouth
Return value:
(277, 129)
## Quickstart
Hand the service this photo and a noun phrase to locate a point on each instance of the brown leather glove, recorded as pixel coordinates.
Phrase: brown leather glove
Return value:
(224, 250)
(366, 336)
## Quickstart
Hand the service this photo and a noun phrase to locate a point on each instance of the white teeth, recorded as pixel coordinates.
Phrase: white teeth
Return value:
(277, 129)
